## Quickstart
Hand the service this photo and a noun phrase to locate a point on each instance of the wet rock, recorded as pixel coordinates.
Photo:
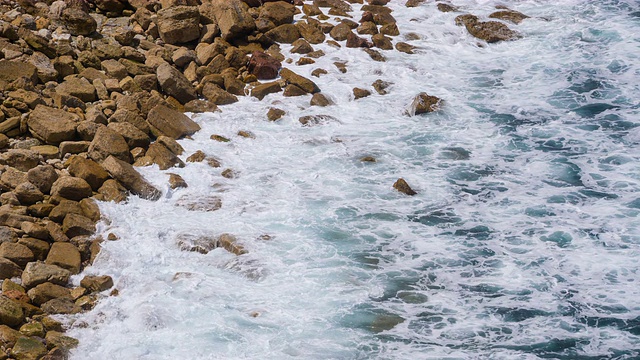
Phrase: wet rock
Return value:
(319, 99)
(443, 7)
(52, 125)
(382, 42)
(130, 178)
(301, 46)
(16, 253)
(311, 120)
(111, 190)
(375, 55)
(232, 16)
(159, 154)
(404, 47)
(198, 156)
(33, 329)
(176, 181)
(171, 123)
(71, 188)
(27, 348)
(359, 93)
(36, 273)
(64, 255)
(97, 283)
(175, 84)
(513, 16)
(402, 186)
(278, 12)
(178, 24)
(196, 243)
(489, 31)
(264, 66)
(293, 90)
(354, 41)
(274, 114)
(367, 28)
(424, 103)
(63, 208)
(340, 32)
(230, 243)
(262, 90)
(217, 95)
(318, 72)
(131, 134)
(88, 170)
(200, 106)
(61, 341)
(310, 33)
(60, 306)
(381, 86)
(204, 203)
(300, 81)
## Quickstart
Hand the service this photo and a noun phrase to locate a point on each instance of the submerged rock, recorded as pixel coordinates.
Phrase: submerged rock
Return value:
(402, 186)
(424, 103)
(489, 31)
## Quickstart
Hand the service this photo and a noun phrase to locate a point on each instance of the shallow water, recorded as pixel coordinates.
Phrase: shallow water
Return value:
(522, 242)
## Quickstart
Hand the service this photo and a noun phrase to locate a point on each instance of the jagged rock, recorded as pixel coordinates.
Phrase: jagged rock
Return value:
(311, 120)
(300, 81)
(232, 16)
(88, 170)
(310, 32)
(44, 292)
(76, 225)
(274, 114)
(170, 122)
(446, 7)
(424, 103)
(132, 135)
(174, 83)
(319, 99)
(278, 12)
(55, 232)
(21, 159)
(178, 24)
(340, 32)
(38, 247)
(217, 95)
(197, 156)
(287, 34)
(33, 329)
(262, 90)
(64, 255)
(264, 66)
(59, 340)
(160, 155)
(171, 144)
(176, 181)
(293, 90)
(354, 41)
(301, 46)
(28, 194)
(402, 186)
(513, 16)
(36, 273)
(111, 190)
(17, 253)
(489, 31)
(35, 230)
(200, 106)
(107, 142)
(52, 125)
(130, 178)
(78, 22)
(9, 269)
(43, 177)
(10, 71)
(71, 188)
(97, 283)
(63, 208)
(78, 87)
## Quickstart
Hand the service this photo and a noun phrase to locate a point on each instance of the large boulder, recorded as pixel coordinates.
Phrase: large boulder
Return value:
(28, 194)
(171, 123)
(11, 313)
(77, 225)
(52, 125)
(159, 154)
(489, 31)
(262, 90)
(286, 33)
(71, 188)
(174, 83)
(264, 66)
(13, 70)
(64, 255)
(178, 24)
(300, 81)
(8, 269)
(48, 291)
(232, 16)
(108, 142)
(21, 159)
(43, 177)
(130, 178)
(27, 348)
(16, 253)
(38, 272)
(279, 12)
(78, 22)
(133, 135)
(78, 87)
(88, 170)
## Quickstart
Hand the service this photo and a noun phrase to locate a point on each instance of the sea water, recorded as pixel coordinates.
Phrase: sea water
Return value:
(523, 241)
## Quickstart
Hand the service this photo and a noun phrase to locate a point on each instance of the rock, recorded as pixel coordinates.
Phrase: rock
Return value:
(30, 98)
(381, 86)
(404, 47)
(262, 90)
(232, 16)
(42, 177)
(55, 232)
(28, 194)
(11, 178)
(90, 209)
(63, 208)
(382, 42)
(217, 95)
(354, 41)
(97, 283)
(300, 81)
(424, 103)
(71, 188)
(132, 135)
(60, 306)
(287, 34)
(274, 114)
(202, 244)
(264, 66)
(76, 225)
(176, 181)
(61, 341)
(27, 348)
(170, 122)
(78, 87)
(301, 46)
(178, 24)
(414, 3)
(310, 32)
(108, 142)
(47, 152)
(367, 28)
(39, 248)
(33, 329)
(229, 243)
(10, 71)
(375, 55)
(319, 99)
(160, 155)
(489, 31)
(318, 72)
(40, 210)
(197, 156)
(175, 84)
(359, 93)
(64, 255)
(35, 230)
(78, 22)
(130, 178)
(52, 125)
(10, 312)
(16, 253)
(200, 106)
(171, 144)
(9, 269)
(509, 15)
(205, 203)
(278, 12)
(402, 186)
(311, 120)
(88, 170)
(44, 292)
(183, 56)
(340, 32)
(111, 190)
(36, 273)
(293, 90)
(446, 7)
(20, 159)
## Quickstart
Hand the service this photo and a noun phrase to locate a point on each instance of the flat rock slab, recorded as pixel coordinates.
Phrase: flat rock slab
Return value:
(171, 123)
(52, 125)
(64, 255)
(130, 178)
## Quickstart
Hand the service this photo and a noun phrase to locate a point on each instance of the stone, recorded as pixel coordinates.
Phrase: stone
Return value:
(375, 55)
(28, 194)
(90, 209)
(424, 103)
(11, 313)
(310, 32)
(340, 32)
(77, 225)
(16, 253)
(183, 56)
(10, 71)
(30, 98)
(111, 190)
(64, 255)
(301, 46)
(198, 156)
(205, 203)
(262, 90)
(230, 243)
(114, 69)
(382, 42)
(178, 24)
(367, 28)
(293, 90)
(38, 272)
(171, 144)
(20, 159)
(176, 181)
(202, 243)
(27, 348)
(283, 34)
(42, 177)
(513, 16)
(47, 152)
(446, 7)
(97, 283)
(33, 329)
(107, 142)
(217, 95)
(274, 114)
(60, 341)
(489, 31)
(78, 87)
(130, 178)
(40, 210)
(402, 186)
(404, 47)
(8, 336)
(44, 292)
(200, 106)
(55, 232)
(9, 269)
(359, 93)
(51, 125)
(278, 12)
(39, 248)
(35, 230)
(311, 120)
(232, 16)
(88, 170)
(78, 22)
(165, 159)
(63, 208)
(318, 72)
(131, 134)
(300, 81)
(174, 83)
(354, 41)
(263, 65)
(71, 188)
(171, 123)
(319, 99)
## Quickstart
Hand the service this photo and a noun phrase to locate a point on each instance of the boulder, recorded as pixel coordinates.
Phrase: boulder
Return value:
(28, 194)
(88, 170)
(42, 176)
(97, 283)
(63, 208)
(402, 186)
(27, 348)
(159, 154)
(174, 83)
(60, 341)
(312, 120)
(178, 24)
(204, 203)
(130, 178)
(264, 66)
(319, 99)
(71, 188)
(90, 209)
(230, 243)
(111, 190)
(78, 87)
(16, 253)
(217, 95)
(132, 135)
(10, 312)
(65, 255)
(310, 32)
(300, 81)
(232, 16)
(38, 272)
(106, 143)
(278, 12)
(340, 32)
(513, 16)
(286, 33)
(10, 71)
(262, 90)
(275, 114)
(77, 21)
(171, 123)
(52, 125)
(35, 230)
(8, 269)
(60, 306)
(21, 159)
(489, 31)
(176, 181)
(55, 232)
(114, 69)
(38, 247)
(424, 103)
(47, 291)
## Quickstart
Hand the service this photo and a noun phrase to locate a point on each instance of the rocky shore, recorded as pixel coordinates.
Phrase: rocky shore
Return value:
(92, 89)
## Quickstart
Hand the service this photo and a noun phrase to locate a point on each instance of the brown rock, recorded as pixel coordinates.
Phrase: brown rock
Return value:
(43, 177)
(47, 291)
(169, 122)
(174, 83)
(301, 46)
(217, 95)
(60, 341)
(9, 336)
(319, 99)
(77, 21)
(131, 134)
(20, 159)
(278, 12)
(52, 125)
(513, 16)
(97, 283)
(27, 348)
(114, 69)
(28, 194)
(10, 312)
(300, 81)
(107, 142)
(35, 230)
(176, 181)
(318, 72)
(404, 47)
(446, 7)
(232, 16)
(178, 24)
(382, 42)
(40, 248)
(90, 209)
(340, 32)
(10, 71)
(65, 255)
(88, 170)
(359, 93)
(287, 34)
(71, 188)
(310, 32)
(381, 86)
(200, 106)
(111, 190)
(262, 90)
(76, 225)
(198, 156)
(40, 210)
(230, 243)
(424, 103)
(160, 155)
(205, 203)
(63, 208)
(489, 31)
(293, 90)
(354, 41)
(375, 55)
(56, 233)
(17, 253)
(130, 178)
(78, 87)
(36, 273)
(274, 114)
(9, 269)
(402, 186)
(312, 120)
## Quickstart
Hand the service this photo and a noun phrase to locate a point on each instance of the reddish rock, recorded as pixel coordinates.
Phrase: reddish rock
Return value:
(264, 66)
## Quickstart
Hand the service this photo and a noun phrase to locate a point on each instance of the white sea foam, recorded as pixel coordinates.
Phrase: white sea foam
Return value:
(527, 248)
